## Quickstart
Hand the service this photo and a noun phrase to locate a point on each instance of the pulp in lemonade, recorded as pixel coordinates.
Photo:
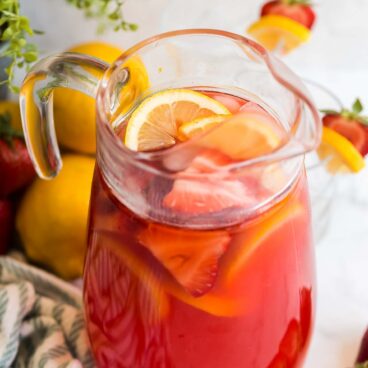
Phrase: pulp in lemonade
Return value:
(165, 295)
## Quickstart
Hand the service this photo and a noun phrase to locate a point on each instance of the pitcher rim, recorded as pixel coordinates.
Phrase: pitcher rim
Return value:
(144, 157)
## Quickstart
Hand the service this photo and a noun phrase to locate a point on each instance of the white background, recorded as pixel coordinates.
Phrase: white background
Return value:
(337, 57)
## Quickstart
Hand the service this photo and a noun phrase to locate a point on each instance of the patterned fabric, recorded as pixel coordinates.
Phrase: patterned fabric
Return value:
(41, 320)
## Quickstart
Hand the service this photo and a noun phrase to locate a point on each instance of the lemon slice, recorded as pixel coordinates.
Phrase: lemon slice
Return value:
(339, 153)
(245, 135)
(262, 232)
(154, 124)
(200, 125)
(279, 33)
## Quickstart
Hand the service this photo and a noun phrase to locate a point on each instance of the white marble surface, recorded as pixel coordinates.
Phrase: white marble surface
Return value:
(336, 57)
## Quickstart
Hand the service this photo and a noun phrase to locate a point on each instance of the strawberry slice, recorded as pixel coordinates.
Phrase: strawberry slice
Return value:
(208, 161)
(207, 194)
(190, 256)
(297, 10)
(350, 124)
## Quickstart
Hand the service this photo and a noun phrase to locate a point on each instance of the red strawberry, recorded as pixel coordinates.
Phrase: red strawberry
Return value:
(208, 161)
(16, 169)
(298, 10)
(6, 224)
(208, 193)
(190, 256)
(351, 124)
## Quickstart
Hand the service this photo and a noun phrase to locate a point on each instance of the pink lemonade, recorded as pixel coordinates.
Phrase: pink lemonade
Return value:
(164, 295)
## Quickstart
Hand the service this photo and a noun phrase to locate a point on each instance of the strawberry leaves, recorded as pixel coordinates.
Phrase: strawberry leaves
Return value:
(357, 107)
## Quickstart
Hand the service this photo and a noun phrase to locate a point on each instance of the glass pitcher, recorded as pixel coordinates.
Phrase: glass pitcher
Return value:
(196, 258)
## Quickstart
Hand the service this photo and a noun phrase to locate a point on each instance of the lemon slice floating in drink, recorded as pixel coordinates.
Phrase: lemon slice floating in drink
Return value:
(338, 153)
(200, 125)
(256, 128)
(279, 220)
(279, 33)
(154, 124)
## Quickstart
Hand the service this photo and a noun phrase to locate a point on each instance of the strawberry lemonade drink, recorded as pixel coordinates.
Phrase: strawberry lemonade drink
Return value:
(172, 295)
(199, 241)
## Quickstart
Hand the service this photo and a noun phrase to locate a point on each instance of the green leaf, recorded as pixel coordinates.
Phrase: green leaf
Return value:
(30, 56)
(15, 89)
(133, 27)
(114, 16)
(357, 107)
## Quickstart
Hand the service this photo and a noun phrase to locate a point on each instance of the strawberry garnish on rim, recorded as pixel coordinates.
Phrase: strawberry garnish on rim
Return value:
(298, 10)
(351, 124)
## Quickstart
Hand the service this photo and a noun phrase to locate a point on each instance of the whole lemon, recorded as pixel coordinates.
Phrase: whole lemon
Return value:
(74, 112)
(52, 217)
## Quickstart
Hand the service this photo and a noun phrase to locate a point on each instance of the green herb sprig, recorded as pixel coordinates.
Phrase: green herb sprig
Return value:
(109, 12)
(15, 30)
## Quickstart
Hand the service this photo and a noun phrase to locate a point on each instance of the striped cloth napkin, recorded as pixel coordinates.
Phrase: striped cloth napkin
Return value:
(41, 320)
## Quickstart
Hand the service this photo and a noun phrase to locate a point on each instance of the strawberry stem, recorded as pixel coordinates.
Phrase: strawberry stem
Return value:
(7, 132)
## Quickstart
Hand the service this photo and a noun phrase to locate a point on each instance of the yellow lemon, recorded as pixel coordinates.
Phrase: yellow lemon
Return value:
(338, 153)
(52, 217)
(255, 128)
(279, 33)
(154, 124)
(75, 112)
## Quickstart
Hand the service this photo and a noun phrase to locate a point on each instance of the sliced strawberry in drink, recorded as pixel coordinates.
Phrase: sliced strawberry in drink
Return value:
(190, 256)
(209, 161)
(207, 194)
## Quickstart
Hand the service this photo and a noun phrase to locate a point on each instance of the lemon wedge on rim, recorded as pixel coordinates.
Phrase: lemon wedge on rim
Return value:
(279, 33)
(339, 153)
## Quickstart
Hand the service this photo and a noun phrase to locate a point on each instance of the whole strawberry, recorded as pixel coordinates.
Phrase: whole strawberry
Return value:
(351, 124)
(298, 10)
(6, 223)
(16, 169)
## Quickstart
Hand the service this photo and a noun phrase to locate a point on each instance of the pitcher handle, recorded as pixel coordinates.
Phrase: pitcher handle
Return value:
(67, 70)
